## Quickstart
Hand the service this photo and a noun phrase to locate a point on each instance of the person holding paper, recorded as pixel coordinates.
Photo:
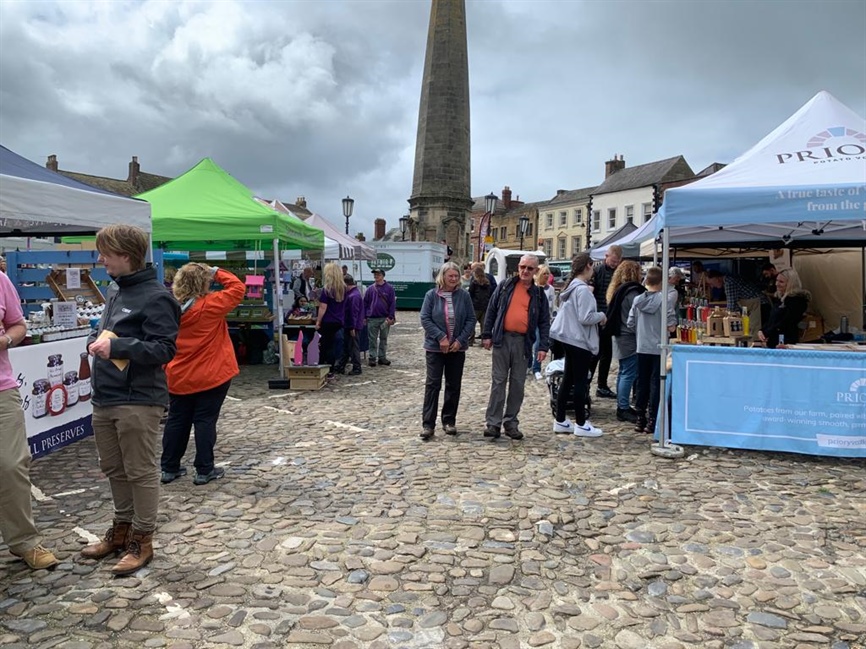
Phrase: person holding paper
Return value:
(134, 340)
(201, 372)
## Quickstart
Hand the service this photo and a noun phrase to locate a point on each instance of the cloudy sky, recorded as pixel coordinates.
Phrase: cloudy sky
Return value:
(319, 98)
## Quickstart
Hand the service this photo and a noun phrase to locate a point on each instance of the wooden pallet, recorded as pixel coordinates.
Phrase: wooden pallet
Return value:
(56, 280)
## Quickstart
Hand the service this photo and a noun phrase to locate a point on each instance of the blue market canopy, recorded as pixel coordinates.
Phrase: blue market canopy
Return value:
(804, 184)
(35, 201)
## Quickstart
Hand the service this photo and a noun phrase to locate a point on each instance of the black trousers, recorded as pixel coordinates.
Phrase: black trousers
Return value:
(200, 409)
(601, 364)
(648, 382)
(451, 365)
(351, 350)
(328, 352)
(574, 383)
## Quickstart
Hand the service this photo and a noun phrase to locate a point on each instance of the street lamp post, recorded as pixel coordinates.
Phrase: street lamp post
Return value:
(404, 223)
(490, 207)
(348, 206)
(523, 222)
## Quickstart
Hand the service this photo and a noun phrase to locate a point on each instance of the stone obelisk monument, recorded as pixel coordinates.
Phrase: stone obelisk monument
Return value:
(441, 202)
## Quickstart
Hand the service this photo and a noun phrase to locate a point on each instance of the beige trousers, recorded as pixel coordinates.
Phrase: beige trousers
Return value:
(128, 440)
(16, 514)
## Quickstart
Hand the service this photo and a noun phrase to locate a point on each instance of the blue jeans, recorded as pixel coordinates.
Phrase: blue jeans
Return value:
(625, 380)
(536, 364)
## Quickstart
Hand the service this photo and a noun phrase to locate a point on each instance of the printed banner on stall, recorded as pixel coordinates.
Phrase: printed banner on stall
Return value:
(771, 400)
(54, 382)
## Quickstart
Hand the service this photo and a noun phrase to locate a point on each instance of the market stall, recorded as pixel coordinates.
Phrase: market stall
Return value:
(52, 367)
(206, 209)
(802, 185)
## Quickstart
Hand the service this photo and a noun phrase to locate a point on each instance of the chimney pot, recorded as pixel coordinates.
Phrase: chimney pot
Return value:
(301, 202)
(52, 162)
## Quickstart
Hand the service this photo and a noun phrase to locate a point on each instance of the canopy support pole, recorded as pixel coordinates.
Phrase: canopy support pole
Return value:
(664, 448)
(278, 299)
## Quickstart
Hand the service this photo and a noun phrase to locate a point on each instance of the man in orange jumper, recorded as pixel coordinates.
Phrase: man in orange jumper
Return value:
(201, 372)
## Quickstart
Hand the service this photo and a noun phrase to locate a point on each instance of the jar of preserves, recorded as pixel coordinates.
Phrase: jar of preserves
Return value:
(40, 398)
(55, 369)
(70, 382)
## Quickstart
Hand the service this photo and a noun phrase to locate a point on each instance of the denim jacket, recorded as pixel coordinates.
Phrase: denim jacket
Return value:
(433, 319)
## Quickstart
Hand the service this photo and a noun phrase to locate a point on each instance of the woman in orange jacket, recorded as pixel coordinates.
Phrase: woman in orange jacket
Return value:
(201, 372)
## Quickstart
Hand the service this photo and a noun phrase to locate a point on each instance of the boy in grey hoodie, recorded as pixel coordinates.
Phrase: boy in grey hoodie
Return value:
(645, 319)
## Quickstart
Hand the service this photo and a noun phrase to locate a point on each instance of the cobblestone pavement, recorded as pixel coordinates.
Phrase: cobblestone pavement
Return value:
(335, 526)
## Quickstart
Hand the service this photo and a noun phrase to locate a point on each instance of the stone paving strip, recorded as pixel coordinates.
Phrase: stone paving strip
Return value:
(335, 526)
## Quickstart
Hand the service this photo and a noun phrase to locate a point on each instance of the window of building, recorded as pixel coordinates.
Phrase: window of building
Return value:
(472, 226)
(503, 233)
(647, 211)
(548, 247)
(563, 219)
(529, 229)
(629, 213)
(578, 216)
(560, 248)
(611, 218)
(596, 220)
(548, 221)
(575, 246)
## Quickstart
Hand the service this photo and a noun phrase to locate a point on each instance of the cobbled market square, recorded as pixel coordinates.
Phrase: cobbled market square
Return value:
(336, 526)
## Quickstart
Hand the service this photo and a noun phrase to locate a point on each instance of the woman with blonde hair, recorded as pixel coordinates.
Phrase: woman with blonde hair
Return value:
(542, 280)
(201, 372)
(789, 307)
(448, 322)
(624, 287)
(331, 316)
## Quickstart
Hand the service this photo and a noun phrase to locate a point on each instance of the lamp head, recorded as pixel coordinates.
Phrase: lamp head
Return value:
(348, 206)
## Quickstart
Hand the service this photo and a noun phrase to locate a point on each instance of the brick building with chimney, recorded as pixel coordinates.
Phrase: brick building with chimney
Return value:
(504, 223)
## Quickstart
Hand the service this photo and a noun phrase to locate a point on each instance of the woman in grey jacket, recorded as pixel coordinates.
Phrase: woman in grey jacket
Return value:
(576, 327)
(448, 321)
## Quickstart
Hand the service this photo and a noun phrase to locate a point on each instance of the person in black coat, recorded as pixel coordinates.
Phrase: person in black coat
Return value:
(788, 310)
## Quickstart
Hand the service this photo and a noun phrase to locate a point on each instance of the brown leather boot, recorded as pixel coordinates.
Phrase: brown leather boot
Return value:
(113, 542)
(139, 552)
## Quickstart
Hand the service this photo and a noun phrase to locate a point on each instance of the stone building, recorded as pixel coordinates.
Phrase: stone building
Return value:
(504, 224)
(562, 223)
(136, 181)
(440, 202)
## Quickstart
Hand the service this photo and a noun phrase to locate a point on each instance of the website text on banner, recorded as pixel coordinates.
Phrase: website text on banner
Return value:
(770, 400)
(54, 382)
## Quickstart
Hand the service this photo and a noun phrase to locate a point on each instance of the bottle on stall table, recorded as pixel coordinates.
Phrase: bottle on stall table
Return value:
(84, 378)
(747, 321)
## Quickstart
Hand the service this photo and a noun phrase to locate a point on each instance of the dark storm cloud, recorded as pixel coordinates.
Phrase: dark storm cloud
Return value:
(320, 99)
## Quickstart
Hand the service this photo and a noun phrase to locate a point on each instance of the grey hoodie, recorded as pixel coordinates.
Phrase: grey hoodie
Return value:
(645, 319)
(577, 320)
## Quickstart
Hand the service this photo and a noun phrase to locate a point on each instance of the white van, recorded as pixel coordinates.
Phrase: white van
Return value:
(502, 263)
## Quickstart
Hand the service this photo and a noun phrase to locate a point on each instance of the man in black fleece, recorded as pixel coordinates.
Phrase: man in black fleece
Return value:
(601, 276)
(134, 341)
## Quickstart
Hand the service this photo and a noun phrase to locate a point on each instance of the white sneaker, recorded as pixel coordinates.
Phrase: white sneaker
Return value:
(587, 430)
(563, 426)
(539, 376)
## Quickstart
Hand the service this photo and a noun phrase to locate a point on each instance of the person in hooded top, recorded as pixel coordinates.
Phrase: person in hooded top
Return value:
(789, 307)
(577, 328)
(645, 319)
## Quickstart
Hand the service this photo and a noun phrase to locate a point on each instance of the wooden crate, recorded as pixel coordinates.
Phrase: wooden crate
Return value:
(56, 279)
(308, 377)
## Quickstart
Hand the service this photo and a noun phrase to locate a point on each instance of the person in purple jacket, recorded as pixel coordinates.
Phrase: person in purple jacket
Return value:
(353, 322)
(380, 305)
(329, 321)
